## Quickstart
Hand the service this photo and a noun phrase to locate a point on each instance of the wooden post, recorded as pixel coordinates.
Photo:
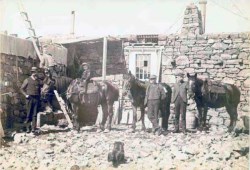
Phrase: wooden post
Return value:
(104, 59)
(73, 23)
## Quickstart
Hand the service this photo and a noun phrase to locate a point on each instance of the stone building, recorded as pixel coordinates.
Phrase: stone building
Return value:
(223, 57)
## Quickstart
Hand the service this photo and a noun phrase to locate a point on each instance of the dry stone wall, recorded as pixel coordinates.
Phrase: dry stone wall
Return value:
(220, 57)
(14, 70)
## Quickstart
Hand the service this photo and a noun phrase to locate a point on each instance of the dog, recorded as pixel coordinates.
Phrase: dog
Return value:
(117, 155)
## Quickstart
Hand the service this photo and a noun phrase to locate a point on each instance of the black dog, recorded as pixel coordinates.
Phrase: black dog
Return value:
(117, 155)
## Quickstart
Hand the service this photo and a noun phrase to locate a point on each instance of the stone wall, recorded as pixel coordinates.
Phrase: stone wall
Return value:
(221, 57)
(14, 70)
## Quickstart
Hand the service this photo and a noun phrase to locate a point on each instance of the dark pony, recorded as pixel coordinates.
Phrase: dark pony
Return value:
(105, 95)
(136, 90)
(222, 95)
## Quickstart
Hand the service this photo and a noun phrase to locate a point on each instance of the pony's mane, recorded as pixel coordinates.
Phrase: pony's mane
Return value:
(140, 83)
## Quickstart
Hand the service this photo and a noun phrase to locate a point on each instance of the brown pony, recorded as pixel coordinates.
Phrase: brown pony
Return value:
(218, 96)
(105, 95)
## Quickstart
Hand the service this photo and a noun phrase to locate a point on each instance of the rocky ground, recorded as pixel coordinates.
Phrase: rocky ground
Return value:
(88, 149)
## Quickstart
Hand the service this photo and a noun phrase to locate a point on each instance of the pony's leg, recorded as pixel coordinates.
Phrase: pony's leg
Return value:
(143, 127)
(104, 115)
(204, 116)
(134, 118)
(75, 118)
(200, 110)
(232, 111)
(165, 111)
(110, 115)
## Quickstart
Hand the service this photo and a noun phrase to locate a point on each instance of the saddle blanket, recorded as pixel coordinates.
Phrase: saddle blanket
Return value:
(216, 87)
(92, 88)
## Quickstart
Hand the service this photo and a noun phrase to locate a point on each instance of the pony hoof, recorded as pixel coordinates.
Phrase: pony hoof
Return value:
(106, 131)
(99, 130)
(131, 130)
(230, 129)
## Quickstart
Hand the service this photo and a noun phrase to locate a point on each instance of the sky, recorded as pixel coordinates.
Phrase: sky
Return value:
(120, 17)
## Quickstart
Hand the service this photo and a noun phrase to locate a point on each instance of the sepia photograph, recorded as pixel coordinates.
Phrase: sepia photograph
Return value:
(124, 84)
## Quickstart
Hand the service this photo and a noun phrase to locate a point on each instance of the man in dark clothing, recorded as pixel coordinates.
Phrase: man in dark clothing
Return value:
(31, 90)
(154, 94)
(179, 98)
(86, 75)
(48, 97)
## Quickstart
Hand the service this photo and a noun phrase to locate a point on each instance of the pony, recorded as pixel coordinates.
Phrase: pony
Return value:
(208, 94)
(104, 94)
(136, 90)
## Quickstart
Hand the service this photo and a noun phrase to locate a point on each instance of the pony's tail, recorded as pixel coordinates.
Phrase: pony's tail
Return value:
(142, 116)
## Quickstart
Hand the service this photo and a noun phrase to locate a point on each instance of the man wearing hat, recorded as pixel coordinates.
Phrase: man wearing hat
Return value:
(154, 94)
(48, 61)
(86, 75)
(31, 90)
(179, 98)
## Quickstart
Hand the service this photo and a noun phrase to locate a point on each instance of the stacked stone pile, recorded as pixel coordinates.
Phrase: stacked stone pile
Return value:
(192, 21)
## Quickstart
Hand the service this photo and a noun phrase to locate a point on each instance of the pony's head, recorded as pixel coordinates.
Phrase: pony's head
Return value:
(128, 81)
(192, 84)
(73, 89)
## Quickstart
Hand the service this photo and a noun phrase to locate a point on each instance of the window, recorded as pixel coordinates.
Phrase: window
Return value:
(142, 66)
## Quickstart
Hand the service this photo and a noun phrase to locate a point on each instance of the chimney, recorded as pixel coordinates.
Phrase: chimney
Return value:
(203, 4)
(73, 23)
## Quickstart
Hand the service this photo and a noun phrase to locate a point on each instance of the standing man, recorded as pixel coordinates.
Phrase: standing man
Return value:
(48, 97)
(86, 75)
(179, 98)
(154, 94)
(48, 61)
(31, 90)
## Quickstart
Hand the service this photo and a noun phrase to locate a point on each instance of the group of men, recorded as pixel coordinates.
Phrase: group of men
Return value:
(31, 89)
(156, 92)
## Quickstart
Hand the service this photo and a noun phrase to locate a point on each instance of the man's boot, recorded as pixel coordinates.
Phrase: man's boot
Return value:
(184, 127)
(33, 126)
(159, 132)
(27, 128)
(26, 121)
(176, 127)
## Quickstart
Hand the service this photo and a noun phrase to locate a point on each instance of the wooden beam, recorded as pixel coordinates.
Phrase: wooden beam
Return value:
(104, 59)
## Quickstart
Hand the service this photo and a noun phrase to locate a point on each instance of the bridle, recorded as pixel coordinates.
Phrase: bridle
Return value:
(127, 84)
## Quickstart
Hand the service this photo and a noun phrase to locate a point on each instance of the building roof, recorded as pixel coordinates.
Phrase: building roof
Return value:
(70, 39)
(16, 46)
